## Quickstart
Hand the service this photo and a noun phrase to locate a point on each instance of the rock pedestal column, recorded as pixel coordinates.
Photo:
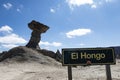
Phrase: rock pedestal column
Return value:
(37, 29)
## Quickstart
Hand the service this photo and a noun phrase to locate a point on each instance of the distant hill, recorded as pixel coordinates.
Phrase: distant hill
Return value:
(117, 51)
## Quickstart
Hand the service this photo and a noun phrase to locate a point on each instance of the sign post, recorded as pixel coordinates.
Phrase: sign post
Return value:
(88, 56)
(108, 72)
(69, 72)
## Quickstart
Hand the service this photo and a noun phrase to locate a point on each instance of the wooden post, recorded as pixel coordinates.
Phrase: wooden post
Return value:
(69, 73)
(108, 72)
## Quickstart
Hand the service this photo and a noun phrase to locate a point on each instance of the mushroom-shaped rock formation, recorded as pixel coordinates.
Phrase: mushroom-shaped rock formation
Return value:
(37, 29)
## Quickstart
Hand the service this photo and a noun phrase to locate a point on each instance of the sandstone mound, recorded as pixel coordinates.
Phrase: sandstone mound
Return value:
(23, 54)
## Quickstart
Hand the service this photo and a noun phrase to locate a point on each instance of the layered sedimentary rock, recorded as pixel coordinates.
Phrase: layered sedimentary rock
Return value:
(37, 29)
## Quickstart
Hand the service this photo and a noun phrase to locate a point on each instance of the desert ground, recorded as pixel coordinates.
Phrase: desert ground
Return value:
(22, 63)
(11, 70)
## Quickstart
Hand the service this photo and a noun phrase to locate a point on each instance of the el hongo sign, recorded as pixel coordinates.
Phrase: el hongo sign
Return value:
(88, 56)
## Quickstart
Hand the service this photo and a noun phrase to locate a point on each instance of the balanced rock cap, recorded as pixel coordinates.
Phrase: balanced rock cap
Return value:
(34, 25)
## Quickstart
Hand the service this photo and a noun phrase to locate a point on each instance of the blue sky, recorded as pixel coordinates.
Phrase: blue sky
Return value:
(73, 23)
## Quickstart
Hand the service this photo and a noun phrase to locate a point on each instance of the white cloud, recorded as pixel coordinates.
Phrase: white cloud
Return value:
(9, 46)
(78, 32)
(52, 10)
(108, 0)
(79, 2)
(81, 44)
(74, 3)
(18, 10)
(44, 43)
(93, 6)
(6, 28)
(55, 44)
(92, 3)
(7, 5)
(10, 39)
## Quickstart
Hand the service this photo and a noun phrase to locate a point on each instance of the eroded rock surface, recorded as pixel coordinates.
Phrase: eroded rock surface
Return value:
(37, 29)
